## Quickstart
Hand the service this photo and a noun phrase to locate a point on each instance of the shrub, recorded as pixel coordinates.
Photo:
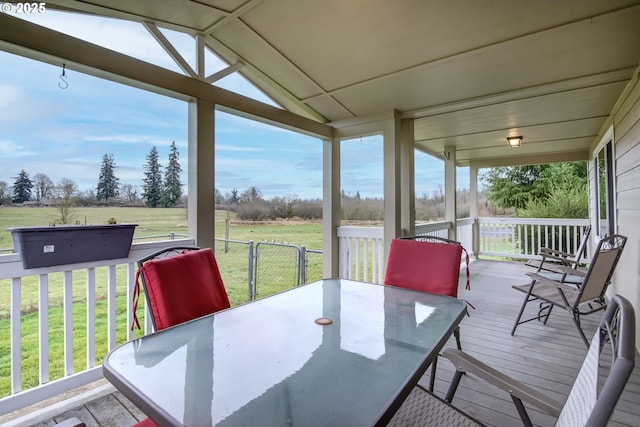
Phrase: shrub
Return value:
(254, 211)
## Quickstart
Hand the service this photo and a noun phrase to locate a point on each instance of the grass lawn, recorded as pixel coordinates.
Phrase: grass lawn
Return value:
(276, 272)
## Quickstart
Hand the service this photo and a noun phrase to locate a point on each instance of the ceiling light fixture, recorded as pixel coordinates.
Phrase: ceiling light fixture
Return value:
(515, 141)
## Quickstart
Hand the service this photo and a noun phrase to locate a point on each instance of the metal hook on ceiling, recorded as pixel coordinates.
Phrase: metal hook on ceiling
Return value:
(63, 84)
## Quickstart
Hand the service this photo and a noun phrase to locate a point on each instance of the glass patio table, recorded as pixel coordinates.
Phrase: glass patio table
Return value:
(334, 352)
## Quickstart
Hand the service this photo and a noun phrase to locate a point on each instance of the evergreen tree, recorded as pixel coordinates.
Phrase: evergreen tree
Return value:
(152, 186)
(234, 199)
(22, 187)
(108, 183)
(518, 186)
(172, 185)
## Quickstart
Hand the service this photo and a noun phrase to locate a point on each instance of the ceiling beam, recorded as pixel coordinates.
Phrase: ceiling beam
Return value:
(275, 91)
(170, 49)
(533, 159)
(224, 72)
(564, 86)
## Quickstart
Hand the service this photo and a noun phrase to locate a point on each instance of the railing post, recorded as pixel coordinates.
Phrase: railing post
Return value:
(16, 342)
(250, 274)
(475, 237)
(302, 265)
(226, 233)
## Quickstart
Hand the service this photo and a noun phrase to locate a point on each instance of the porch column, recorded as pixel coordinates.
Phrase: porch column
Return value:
(407, 179)
(473, 209)
(391, 152)
(201, 173)
(331, 215)
(450, 202)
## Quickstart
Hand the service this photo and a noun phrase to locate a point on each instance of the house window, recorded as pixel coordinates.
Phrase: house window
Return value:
(605, 205)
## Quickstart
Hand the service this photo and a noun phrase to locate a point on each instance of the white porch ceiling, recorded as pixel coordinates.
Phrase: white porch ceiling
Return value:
(470, 72)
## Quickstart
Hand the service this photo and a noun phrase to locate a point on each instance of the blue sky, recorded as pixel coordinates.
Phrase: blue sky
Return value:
(65, 132)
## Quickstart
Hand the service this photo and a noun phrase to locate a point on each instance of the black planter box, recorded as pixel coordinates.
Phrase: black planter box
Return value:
(71, 244)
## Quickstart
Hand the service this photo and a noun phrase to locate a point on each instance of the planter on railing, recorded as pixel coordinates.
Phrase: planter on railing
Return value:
(71, 244)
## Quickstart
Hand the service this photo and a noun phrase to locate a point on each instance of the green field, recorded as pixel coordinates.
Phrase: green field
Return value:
(153, 222)
(276, 271)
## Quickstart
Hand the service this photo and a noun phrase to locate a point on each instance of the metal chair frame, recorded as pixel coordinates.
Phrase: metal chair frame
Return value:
(585, 298)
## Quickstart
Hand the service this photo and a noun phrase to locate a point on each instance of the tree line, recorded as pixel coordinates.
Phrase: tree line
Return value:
(556, 190)
(158, 189)
(251, 205)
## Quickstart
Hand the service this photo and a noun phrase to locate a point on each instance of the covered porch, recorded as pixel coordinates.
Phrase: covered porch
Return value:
(566, 79)
(545, 357)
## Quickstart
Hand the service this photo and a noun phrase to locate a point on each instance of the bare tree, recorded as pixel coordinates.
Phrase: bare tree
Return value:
(66, 191)
(251, 194)
(5, 192)
(129, 193)
(43, 186)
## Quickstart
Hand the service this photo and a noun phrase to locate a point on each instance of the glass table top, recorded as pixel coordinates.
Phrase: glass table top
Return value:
(333, 352)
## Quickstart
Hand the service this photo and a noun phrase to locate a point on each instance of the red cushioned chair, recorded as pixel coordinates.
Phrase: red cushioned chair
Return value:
(145, 423)
(180, 284)
(427, 264)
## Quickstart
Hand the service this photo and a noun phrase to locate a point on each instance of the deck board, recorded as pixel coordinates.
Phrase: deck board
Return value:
(546, 357)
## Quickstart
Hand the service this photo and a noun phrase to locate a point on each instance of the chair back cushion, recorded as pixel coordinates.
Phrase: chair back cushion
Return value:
(424, 266)
(183, 287)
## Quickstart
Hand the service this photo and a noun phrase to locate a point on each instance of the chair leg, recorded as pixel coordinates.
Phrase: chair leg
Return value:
(576, 320)
(547, 307)
(524, 416)
(524, 304)
(434, 365)
(453, 386)
(456, 333)
(432, 377)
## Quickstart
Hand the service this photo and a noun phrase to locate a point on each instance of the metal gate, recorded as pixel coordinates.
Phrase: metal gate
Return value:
(255, 270)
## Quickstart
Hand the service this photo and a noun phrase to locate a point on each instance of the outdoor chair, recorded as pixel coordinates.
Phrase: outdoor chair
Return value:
(427, 264)
(180, 284)
(551, 259)
(585, 298)
(611, 358)
(147, 422)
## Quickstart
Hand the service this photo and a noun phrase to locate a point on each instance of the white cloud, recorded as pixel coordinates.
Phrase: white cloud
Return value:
(9, 94)
(149, 140)
(237, 148)
(12, 150)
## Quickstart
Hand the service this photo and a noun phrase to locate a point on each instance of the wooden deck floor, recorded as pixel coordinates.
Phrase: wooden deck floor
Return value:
(546, 357)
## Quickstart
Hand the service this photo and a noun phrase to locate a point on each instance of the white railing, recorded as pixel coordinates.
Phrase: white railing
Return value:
(464, 234)
(110, 280)
(362, 248)
(361, 253)
(522, 238)
(464, 231)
